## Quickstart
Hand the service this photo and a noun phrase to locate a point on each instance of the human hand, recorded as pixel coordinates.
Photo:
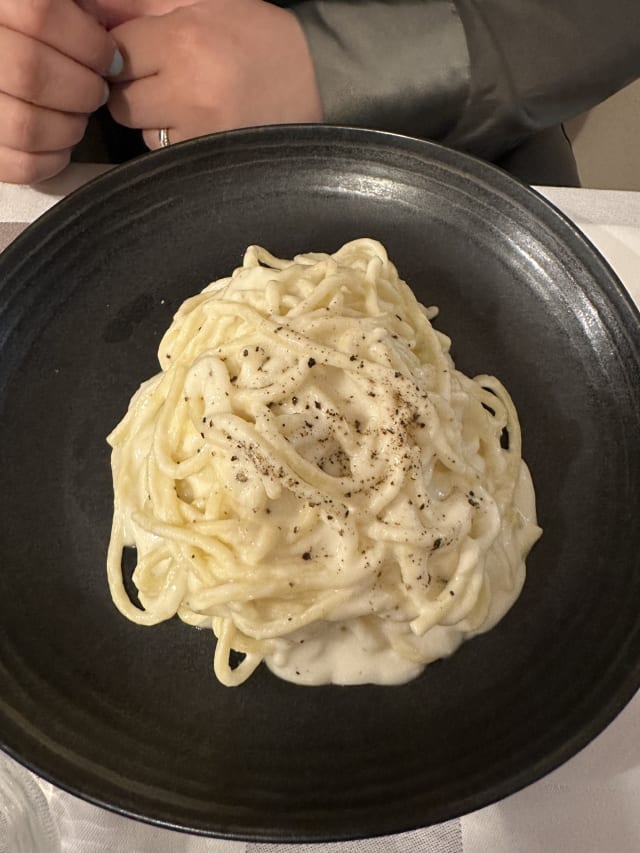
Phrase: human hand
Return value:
(54, 55)
(209, 66)
(112, 13)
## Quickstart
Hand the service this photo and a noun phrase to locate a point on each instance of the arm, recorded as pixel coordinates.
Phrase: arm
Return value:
(481, 75)
(477, 74)
(400, 66)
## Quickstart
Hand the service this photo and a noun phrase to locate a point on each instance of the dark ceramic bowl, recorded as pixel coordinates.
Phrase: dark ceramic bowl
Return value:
(132, 718)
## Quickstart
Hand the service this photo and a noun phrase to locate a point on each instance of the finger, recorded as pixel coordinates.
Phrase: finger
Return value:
(151, 137)
(140, 104)
(22, 167)
(64, 26)
(33, 129)
(37, 73)
(142, 45)
(112, 13)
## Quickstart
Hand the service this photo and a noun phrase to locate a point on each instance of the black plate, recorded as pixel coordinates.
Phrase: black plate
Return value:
(132, 718)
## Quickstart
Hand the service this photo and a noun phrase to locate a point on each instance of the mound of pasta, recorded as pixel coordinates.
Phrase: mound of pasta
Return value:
(311, 477)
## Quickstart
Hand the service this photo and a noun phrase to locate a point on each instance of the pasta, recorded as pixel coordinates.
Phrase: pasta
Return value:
(310, 476)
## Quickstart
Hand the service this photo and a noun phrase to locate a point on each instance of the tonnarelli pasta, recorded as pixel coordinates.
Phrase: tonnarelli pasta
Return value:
(311, 477)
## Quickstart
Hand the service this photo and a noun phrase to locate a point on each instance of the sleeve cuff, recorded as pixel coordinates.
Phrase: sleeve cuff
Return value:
(421, 91)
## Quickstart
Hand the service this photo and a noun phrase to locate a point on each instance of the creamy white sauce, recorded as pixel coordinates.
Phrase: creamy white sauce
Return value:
(310, 476)
(350, 652)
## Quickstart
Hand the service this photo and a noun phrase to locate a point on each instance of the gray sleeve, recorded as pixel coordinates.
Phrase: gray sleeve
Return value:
(537, 63)
(481, 75)
(398, 66)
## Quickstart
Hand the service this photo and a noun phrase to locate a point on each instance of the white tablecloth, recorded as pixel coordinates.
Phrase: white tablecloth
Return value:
(589, 805)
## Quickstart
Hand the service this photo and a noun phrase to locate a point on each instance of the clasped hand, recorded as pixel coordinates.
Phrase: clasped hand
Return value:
(192, 67)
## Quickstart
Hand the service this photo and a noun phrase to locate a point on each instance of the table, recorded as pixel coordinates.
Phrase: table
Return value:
(589, 805)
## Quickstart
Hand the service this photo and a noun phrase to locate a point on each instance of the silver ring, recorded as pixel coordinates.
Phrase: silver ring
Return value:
(163, 137)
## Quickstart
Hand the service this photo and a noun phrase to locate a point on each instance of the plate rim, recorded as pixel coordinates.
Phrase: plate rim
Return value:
(597, 265)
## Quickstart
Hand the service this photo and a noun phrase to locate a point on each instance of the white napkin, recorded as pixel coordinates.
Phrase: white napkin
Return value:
(24, 204)
(26, 823)
(589, 805)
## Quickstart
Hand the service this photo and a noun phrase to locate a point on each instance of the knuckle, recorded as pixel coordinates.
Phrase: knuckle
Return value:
(36, 15)
(188, 40)
(24, 126)
(203, 80)
(29, 73)
(23, 168)
(29, 131)
(26, 169)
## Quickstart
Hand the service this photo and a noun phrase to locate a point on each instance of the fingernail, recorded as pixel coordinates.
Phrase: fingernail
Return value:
(107, 92)
(117, 64)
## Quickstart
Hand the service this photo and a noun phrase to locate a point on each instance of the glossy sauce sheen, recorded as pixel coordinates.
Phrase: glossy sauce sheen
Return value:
(310, 476)
(346, 653)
